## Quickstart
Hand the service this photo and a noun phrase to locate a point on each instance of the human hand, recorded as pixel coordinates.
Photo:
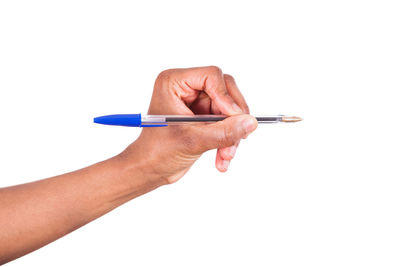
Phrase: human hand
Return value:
(169, 152)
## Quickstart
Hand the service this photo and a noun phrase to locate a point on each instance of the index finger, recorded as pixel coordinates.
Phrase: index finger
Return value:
(235, 93)
(210, 80)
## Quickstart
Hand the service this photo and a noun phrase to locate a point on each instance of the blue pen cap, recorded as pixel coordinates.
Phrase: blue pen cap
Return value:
(131, 120)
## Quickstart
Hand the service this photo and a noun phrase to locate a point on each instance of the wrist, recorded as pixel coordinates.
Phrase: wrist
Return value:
(136, 165)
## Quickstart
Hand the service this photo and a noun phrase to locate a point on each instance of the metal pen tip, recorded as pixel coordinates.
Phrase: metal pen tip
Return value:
(291, 119)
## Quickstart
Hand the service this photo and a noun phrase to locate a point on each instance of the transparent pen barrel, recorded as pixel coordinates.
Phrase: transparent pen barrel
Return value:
(189, 119)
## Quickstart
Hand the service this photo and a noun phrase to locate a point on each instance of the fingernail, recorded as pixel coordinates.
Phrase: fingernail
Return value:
(236, 108)
(225, 164)
(250, 125)
(232, 151)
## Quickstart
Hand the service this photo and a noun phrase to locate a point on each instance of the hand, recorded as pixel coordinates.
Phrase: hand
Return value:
(170, 151)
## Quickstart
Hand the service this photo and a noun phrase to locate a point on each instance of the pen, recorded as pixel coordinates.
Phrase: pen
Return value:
(137, 120)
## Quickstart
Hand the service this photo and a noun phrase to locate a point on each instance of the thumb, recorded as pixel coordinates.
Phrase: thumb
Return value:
(225, 133)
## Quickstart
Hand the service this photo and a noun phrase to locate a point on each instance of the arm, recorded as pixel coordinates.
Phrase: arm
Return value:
(35, 214)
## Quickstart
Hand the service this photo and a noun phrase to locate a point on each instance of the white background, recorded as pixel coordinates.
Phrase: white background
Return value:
(323, 192)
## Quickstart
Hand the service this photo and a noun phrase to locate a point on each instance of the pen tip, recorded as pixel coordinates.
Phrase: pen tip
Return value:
(291, 119)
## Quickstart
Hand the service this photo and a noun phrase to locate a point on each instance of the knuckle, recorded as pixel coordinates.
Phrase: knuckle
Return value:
(164, 75)
(224, 93)
(163, 79)
(214, 70)
(229, 78)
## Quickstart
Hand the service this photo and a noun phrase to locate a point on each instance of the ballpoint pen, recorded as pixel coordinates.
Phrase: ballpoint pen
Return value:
(137, 120)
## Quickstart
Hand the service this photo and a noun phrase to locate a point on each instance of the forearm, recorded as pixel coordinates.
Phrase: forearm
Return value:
(35, 214)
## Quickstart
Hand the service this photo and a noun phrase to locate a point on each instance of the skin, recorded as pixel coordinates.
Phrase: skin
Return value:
(35, 214)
